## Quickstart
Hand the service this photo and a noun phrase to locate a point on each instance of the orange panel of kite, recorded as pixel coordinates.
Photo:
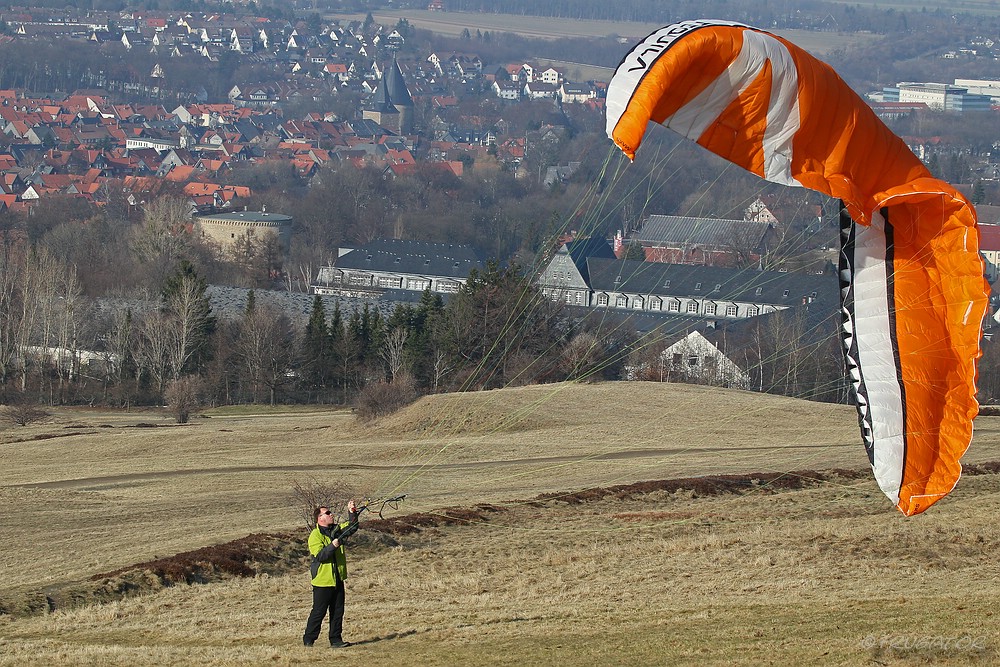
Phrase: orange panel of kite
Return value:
(913, 290)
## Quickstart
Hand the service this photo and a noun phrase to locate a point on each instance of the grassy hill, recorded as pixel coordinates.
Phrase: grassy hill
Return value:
(558, 557)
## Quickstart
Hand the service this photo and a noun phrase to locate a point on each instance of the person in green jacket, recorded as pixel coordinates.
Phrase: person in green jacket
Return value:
(329, 570)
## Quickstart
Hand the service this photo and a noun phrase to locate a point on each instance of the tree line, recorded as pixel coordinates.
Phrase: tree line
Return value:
(58, 346)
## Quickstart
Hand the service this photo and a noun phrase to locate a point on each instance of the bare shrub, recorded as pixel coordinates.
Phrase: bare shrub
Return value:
(22, 414)
(380, 399)
(312, 494)
(184, 395)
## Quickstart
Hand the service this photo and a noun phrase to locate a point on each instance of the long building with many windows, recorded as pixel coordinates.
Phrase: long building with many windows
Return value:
(389, 264)
(587, 274)
(941, 96)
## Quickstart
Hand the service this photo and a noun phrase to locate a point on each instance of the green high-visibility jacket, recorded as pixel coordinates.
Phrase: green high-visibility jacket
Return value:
(325, 555)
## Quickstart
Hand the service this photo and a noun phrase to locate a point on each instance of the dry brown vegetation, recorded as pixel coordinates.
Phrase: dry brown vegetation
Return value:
(764, 540)
(453, 23)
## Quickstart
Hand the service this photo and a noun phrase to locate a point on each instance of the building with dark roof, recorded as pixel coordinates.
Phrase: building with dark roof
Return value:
(389, 264)
(392, 106)
(586, 273)
(676, 239)
(566, 277)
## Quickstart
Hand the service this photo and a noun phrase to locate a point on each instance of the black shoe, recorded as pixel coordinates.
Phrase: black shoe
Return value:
(306, 642)
(339, 644)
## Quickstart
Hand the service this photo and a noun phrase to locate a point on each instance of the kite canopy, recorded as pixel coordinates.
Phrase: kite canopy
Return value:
(912, 284)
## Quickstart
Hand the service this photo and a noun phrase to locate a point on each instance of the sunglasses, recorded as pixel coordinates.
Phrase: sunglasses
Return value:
(327, 513)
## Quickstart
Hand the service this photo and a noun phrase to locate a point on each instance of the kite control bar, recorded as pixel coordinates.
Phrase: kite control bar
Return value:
(380, 504)
(376, 505)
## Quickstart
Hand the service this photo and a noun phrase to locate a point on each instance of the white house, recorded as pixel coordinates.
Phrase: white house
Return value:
(575, 93)
(551, 76)
(507, 90)
(692, 358)
(535, 91)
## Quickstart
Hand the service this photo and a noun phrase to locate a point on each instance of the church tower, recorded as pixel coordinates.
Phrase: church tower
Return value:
(392, 106)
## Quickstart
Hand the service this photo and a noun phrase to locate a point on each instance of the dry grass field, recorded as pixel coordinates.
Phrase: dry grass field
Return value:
(453, 23)
(827, 573)
(973, 7)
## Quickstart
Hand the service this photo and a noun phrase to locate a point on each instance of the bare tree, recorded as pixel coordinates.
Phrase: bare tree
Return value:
(184, 395)
(187, 318)
(441, 364)
(10, 295)
(32, 287)
(393, 350)
(747, 244)
(68, 310)
(266, 346)
(308, 496)
(22, 414)
(581, 356)
(161, 232)
(154, 338)
(119, 348)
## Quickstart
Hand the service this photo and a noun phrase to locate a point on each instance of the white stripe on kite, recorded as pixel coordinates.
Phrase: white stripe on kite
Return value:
(876, 358)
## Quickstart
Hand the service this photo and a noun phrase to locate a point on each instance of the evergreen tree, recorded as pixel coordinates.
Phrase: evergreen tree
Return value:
(501, 330)
(353, 350)
(342, 355)
(425, 346)
(978, 193)
(251, 306)
(316, 356)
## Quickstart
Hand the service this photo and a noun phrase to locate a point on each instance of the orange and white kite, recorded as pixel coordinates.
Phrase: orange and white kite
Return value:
(912, 284)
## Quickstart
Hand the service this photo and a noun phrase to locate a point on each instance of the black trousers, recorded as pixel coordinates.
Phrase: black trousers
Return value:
(326, 598)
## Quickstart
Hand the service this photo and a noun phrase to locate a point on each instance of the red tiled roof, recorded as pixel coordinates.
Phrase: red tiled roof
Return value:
(989, 237)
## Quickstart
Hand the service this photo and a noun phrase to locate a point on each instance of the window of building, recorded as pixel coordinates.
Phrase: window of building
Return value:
(732, 310)
(638, 303)
(759, 291)
(602, 299)
(621, 301)
(710, 308)
(785, 293)
(697, 285)
(692, 307)
(753, 311)
(674, 306)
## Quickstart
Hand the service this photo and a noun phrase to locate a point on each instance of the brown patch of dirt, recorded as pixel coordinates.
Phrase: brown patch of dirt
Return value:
(758, 482)
(988, 468)
(49, 436)
(450, 516)
(248, 556)
(278, 553)
(635, 517)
